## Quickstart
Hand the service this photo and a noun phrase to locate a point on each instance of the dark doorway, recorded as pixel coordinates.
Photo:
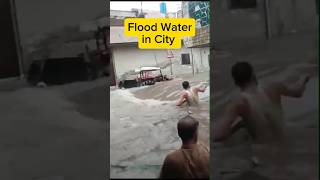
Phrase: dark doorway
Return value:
(185, 59)
(9, 64)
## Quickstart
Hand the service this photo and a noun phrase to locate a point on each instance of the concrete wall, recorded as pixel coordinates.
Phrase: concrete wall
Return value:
(201, 59)
(129, 57)
(230, 24)
(285, 16)
(292, 15)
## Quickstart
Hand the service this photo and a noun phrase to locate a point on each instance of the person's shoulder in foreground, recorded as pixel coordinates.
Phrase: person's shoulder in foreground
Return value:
(171, 166)
(191, 161)
(175, 166)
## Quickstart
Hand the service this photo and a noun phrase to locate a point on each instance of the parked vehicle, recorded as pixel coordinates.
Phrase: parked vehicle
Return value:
(143, 76)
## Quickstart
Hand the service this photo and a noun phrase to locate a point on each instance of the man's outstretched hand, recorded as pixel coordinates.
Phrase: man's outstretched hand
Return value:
(306, 79)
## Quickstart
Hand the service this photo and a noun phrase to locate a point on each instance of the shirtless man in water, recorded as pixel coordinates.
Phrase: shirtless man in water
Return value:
(190, 95)
(259, 109)
(191, 161)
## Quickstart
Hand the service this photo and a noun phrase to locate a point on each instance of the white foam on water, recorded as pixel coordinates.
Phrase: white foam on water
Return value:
(129, 97)
(135, 89)
(138, 127)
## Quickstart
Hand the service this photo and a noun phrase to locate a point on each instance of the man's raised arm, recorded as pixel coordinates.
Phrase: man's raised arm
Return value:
(201, 89)
(295, 89)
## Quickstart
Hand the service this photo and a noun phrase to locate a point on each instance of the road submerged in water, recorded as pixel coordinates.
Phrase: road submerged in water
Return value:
(143, 131)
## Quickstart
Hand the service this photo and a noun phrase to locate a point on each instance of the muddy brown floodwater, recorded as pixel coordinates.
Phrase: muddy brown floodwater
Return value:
(143, 128)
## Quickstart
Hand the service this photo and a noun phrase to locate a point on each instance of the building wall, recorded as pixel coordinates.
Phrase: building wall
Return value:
(123, 14)
(288, 15)
(237, 23)
(285, 16)
(129, 57)
(200, 11)
(201, 59)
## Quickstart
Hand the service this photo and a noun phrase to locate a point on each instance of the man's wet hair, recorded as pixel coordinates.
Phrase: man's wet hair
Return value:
(185, 84)
(187, 127)
(242, 73)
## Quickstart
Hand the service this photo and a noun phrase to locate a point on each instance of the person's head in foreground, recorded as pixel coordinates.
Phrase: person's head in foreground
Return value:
(188, 130)
(185, 85)
(243, 74)
(191, 161)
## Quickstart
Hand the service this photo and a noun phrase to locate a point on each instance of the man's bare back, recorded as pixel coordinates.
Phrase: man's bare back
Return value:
(187, 163)
(259, 110)
(190, 95)
(191, 161)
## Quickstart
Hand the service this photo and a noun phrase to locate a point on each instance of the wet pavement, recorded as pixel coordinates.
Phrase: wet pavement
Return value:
(143, 127)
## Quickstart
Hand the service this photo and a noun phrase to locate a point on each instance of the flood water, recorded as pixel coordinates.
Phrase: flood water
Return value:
(143, 131)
